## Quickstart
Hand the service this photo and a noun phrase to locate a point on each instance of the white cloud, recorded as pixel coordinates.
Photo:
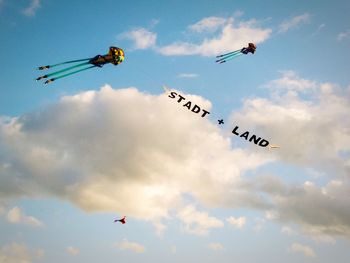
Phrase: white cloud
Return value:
(320, 212)
(187, 75)
(319, 29)
(216, 246)
(19, 253)
(322, 234)
(16, 216)
(271, 214)
(237, 222)
(343, 35)
(32, 8)
(290, 81)
(306, 250)
(72, 250)
(132, 246)
(313, 131)
(141, 37)
(227, 34)
(45, 153)
(196, 222)
(208, 24)
(232, 35)
(294, 22)
(122, 151)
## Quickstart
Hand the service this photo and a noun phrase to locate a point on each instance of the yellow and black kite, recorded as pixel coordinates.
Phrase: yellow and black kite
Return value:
(115, 56)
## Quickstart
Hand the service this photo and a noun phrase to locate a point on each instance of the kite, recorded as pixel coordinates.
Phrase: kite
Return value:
(248, 136)
(122, 220)
(188, 104)
(228, 56)
(115, 56)
(257, 140)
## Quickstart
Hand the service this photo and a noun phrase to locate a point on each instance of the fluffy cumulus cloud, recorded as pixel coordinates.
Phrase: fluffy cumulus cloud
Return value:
(16, 216)
(132, 246)
(322, 212)
(208, 24)
(98, 148)
(141, 37)
(305, 250)
(291, 82)
(294, 22)
(309, 121)
(196, 222)
(237, 222)
(229, 35)
(19, 253)
(218, 34)
(32, 8)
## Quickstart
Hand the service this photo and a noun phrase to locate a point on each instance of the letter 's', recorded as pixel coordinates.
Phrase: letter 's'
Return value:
(172, 95)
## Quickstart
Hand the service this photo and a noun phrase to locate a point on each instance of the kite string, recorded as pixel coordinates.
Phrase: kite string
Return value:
(213, 115)
(148, 76)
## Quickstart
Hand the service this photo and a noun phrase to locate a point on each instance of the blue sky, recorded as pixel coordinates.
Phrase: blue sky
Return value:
(86, 149)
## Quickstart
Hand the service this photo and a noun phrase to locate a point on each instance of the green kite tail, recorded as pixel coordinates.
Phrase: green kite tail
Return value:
(62, 70)
(229, 53)
(225, 59)
(68, 74)
(59, 64)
